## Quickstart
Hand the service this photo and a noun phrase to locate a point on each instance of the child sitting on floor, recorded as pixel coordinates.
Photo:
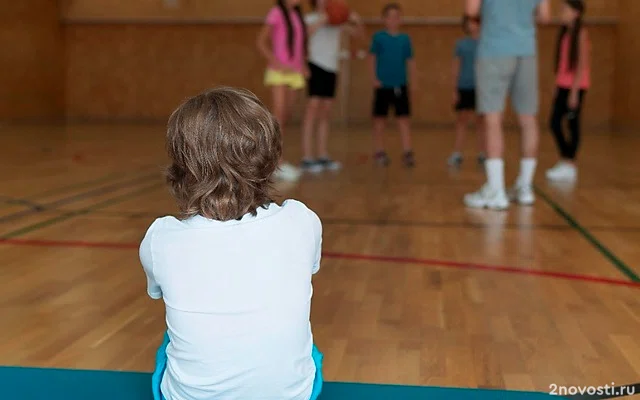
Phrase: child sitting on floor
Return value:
(235, 269)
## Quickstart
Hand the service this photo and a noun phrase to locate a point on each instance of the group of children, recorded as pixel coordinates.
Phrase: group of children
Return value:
(304, 51)
(235, 268)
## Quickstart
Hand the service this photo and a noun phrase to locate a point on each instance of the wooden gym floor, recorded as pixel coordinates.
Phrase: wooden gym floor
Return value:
(414, 289)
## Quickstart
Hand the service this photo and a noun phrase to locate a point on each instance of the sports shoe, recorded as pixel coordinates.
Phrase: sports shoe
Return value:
(287, 172)
(455, 160)
(381, 158)
(562, 171)
(487, 197)
(482, 158)
(328, 164)
(311, 166)
(522, 195)
(409, 159)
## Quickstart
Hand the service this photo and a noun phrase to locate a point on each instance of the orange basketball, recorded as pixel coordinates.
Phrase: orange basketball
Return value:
(337, 12)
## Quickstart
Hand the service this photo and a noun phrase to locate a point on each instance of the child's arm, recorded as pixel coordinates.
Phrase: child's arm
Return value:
(584, 58)
(472, 8)
(356, 27)
(544, 12)
(263, 44)
(455, 74)
(411, 67)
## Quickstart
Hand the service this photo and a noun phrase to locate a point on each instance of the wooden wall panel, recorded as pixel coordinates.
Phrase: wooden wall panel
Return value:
(143, 71)
(627, 82)
(32, 62)
(225, 8)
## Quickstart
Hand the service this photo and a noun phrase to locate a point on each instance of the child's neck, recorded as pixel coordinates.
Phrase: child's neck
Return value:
(474, 35)
(393, 31)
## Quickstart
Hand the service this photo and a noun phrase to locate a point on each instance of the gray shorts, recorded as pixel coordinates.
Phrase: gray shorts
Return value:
(515, 76)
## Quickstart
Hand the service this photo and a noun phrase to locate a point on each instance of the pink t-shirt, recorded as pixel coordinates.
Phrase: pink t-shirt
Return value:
(565, 76)
(279, 42)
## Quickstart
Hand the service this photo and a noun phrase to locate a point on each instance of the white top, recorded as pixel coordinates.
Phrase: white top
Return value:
(238, 297)
(324, 45)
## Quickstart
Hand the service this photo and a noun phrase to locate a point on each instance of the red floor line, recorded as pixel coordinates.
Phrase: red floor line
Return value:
(360, 257)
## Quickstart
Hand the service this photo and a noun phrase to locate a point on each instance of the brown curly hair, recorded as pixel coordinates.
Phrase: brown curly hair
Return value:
(224, 146)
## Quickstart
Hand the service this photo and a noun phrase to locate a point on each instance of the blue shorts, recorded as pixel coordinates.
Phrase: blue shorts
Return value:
(161, 365)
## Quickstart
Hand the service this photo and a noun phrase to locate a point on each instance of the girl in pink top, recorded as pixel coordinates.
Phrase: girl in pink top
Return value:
(573, 79)
(283, 43)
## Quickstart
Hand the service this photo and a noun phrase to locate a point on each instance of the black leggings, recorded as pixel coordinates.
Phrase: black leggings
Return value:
(567, 148)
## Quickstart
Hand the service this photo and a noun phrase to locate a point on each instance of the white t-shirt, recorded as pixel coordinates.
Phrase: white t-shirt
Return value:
(324, 45)
(238, 297)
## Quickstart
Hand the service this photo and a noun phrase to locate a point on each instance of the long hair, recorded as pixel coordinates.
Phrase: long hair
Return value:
(574, 49)
(290, 32)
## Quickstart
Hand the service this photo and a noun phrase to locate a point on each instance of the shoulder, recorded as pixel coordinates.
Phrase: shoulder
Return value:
(300, 209)
(162, 225)
(379, 35)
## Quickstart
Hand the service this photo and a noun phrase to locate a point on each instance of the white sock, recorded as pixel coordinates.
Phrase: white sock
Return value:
(527, 171)
(494, 168)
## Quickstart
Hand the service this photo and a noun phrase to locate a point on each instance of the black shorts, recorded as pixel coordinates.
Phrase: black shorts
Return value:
(466, 100)
(322, 83)
(398, 98)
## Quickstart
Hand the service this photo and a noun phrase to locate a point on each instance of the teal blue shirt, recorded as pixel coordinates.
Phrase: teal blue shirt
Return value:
(508, 28)
(466, 52)
(392, 53)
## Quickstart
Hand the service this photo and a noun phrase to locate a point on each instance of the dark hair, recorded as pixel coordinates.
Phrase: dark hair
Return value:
(389, 7)
(224, 146)
(574, 51)
(287, 18)
(465, 22)
(314, 4)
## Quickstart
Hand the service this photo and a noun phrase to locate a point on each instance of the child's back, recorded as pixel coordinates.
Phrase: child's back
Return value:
(237, 290)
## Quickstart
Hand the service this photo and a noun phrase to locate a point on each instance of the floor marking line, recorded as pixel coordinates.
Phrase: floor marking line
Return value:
(608, 254)
(78, 196)
(350, 256)
(87, 210)
(78, 185)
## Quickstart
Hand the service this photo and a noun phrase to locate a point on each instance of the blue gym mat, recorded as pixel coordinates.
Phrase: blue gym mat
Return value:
(19, 383)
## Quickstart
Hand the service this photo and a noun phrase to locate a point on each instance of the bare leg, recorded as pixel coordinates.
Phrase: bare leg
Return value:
(279, 107)
(493, 135)
(530, 136)
(480, 133)
(307, 128)
(404, 126)
(324, 124)
(378, 132)
(462, 120)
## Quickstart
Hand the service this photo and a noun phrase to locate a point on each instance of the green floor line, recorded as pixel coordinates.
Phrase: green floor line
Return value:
(75, 186)
(619, 264)
(84, 211)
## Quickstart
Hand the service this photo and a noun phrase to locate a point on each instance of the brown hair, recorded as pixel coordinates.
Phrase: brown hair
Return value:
(390, 6)
(224, 146)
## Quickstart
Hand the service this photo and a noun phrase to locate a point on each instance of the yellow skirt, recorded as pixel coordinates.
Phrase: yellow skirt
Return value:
(294, 80)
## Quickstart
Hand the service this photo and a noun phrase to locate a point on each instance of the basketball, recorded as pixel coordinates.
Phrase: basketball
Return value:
(337, 12)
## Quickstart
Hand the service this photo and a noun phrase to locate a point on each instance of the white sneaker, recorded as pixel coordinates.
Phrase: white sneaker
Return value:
(562, 171)
(522, 195)
(287, 172)
(486, 197)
